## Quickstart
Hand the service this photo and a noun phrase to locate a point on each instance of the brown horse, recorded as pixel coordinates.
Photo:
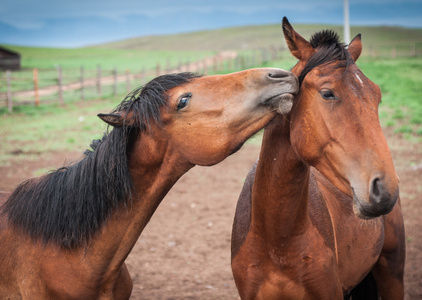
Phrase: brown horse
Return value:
(67, 234)
(317, 218)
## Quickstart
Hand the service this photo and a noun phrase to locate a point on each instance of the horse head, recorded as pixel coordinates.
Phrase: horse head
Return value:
(334, 121)
(205, 119)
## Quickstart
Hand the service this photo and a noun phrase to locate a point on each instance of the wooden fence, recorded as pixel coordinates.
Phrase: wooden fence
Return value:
(59, 85)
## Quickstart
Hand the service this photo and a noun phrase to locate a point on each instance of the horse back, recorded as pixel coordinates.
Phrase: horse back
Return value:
(242, 217)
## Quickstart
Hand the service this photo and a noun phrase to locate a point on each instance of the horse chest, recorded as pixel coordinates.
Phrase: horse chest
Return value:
(296, 269)
(359, 245)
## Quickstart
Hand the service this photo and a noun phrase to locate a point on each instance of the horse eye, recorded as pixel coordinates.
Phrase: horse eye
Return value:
(328, 95)
(184, 100)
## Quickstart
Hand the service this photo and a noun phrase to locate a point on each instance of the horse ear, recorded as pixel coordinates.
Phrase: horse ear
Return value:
(355, 47)
(115, 120)
(298, 46)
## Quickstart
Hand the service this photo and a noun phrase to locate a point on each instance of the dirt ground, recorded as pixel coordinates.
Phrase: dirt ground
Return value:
(184, 252)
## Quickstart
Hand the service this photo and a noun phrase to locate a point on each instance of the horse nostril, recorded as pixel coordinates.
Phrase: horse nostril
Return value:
(375, 188)
(381, 199)
(278, 74)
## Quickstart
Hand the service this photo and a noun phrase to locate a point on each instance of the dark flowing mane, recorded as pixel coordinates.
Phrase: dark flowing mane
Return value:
(69, 205)
(329, 49)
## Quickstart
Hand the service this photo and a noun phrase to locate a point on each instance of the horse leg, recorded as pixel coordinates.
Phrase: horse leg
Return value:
(389, 269)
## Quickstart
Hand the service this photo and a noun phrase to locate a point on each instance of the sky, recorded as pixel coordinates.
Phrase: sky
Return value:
(78, 23)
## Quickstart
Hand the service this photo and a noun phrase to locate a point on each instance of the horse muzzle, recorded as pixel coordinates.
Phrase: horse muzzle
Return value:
(282, 86)
(381, 200)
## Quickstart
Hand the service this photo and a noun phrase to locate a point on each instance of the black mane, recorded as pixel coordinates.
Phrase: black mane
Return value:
(69, 205)
(329, 49)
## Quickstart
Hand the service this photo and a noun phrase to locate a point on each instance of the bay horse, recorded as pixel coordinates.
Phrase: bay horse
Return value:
(67, 234)
(319, 215)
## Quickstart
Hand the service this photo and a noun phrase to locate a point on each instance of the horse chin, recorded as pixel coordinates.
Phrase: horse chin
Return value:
(282, 104)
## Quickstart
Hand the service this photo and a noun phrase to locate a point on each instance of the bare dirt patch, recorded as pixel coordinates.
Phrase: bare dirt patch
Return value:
(184, 252)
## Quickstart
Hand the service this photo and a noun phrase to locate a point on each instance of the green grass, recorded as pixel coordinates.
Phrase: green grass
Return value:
(108, 58)
(400, 81)
(51, 128)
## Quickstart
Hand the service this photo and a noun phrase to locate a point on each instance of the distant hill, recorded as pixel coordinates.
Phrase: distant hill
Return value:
(147, 51)
(255, 37)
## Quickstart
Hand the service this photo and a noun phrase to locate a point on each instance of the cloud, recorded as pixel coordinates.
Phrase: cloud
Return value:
(105, 20)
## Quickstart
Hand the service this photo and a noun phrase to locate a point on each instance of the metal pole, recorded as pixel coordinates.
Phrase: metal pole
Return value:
(346, 22)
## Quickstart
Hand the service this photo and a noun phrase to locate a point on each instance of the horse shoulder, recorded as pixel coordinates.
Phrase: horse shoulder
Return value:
(242, 217)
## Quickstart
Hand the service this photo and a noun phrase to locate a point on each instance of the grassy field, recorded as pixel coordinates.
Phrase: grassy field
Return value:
(108, 58)
(257, 37)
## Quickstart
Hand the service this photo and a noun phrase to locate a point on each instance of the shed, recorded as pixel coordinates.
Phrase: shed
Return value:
(9, 60)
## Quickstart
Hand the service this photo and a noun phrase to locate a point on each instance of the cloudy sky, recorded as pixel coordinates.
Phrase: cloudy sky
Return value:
(77, 23)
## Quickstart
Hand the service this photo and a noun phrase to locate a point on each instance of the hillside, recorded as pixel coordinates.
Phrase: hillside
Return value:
(254, 37)
(147, 51)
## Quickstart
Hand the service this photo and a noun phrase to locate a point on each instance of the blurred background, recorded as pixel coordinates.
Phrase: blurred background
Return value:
(62, 62)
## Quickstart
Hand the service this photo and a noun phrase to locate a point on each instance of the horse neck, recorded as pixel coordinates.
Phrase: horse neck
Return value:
(280, 190)
(153, 174)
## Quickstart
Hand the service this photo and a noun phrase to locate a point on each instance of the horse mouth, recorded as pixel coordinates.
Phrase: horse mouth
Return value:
(360, 210)
(281, 103)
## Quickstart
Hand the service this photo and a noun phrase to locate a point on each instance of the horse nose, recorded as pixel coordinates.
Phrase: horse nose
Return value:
(285, 78)
(382, 200)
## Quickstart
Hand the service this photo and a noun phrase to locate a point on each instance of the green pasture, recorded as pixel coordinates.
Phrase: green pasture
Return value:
(107, 58)
(400, 81)
(379, 38)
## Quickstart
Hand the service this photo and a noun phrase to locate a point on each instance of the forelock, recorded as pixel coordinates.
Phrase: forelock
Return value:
(328, 49)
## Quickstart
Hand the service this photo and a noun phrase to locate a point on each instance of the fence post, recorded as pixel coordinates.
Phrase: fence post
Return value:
(9, 91)
(142, 76)
(231, 65)
(82, 84)
(168, 66)
(99, 92)
(393, 52)
(157, 70)
(36, 94)
(413, 49)
(60, 83)
(127, 81)
(372, 50)
(187, 65)
(115, 82)
(205, 66)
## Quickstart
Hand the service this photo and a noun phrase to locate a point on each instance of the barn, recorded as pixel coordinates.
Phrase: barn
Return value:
(9, 60)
